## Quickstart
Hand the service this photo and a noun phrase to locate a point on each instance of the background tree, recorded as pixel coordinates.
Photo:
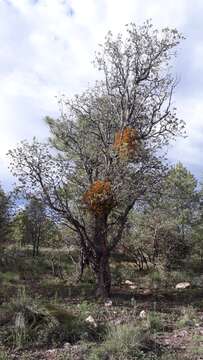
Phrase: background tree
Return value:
(18, 228)
(31, 223)
(4, 216)
(181, 197)
(162, 229)
(35, 218)
(106, 144)
(197, 230)
(180, 202)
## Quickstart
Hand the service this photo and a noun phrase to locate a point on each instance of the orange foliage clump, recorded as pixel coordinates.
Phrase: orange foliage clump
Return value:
(126, 143)
(99, 197)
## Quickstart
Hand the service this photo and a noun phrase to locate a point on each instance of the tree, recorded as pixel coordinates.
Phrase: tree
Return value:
(105, 147)
(164, 226)
(18, 228)
(4, 216)
(34, 224)
(197, 230)
(182, 200)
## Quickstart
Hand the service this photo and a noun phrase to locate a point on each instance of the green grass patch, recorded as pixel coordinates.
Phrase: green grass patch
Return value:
(9, 277)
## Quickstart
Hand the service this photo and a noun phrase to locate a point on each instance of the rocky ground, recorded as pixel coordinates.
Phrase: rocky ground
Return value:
(168, 310)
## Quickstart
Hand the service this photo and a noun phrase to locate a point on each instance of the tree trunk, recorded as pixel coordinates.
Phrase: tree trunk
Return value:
(103, 277)
(33, 247)
(37, 245)
(101, 267)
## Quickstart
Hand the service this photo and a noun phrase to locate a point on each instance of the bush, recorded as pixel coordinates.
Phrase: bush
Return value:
(3, 355)
(27, 322)
(188, 317)
(158, 277)
(156, 323)
(22, 320)
(70, 327)
(125, 342)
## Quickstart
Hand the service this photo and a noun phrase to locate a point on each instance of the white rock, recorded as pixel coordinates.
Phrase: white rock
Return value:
(133, 301)
(143, 314)
(128, 282)
(50, 352)
(91, 321)
(108, 303)
(183, 285)
(133, 287)
(147, 292)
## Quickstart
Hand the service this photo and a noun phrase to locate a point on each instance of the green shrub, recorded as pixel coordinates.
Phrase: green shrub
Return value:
(28, 322)
(187, 318)
(125, 342)
(70, 327)
(4, 355)
(9, 277)
(172, 356)
(156, 323)
(87, 308)
(158, 277)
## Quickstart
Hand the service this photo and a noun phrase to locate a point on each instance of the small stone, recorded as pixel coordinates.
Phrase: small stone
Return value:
(128, 282)
(108, 303)
(183, 285)
(143, 314)
(133, 287)
(190, 323)
(182, 333)
(133, 301)
(91, 321)
(51, 354)
(147, 292)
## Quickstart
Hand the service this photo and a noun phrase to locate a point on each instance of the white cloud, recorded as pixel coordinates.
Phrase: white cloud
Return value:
(188, 150)
(47, 47)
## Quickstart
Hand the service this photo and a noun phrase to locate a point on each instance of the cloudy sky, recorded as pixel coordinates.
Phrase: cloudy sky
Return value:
(47, 46)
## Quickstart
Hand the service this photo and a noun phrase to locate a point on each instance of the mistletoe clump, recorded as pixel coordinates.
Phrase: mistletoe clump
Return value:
(99, 197)
(126, 143)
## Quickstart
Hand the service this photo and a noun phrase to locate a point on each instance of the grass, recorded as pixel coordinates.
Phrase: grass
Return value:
(9, 277)
(4, 355)
(134, 341)
(188, 317)
(122, 342)
(196, 346)
(35, 322)
(156, 321)
(51, 311)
